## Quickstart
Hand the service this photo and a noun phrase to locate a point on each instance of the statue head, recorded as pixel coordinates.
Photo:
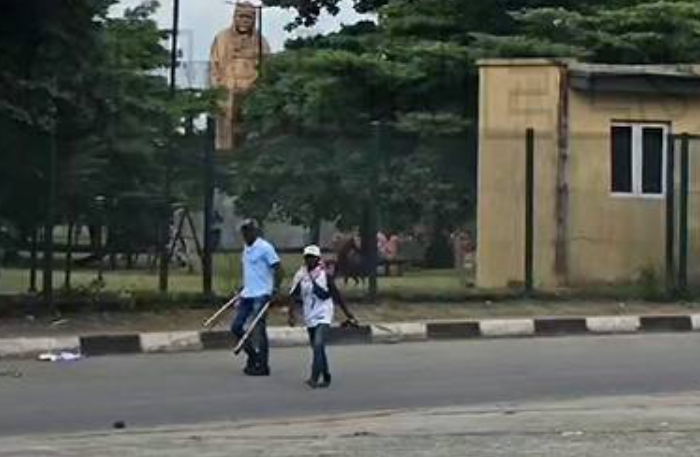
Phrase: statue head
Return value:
(244, 18)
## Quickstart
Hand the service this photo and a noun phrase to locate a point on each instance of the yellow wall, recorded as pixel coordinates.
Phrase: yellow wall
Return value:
(610, 239)
(512, 99)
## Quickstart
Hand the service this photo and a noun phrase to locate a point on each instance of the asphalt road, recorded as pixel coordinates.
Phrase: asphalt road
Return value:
(195, 388)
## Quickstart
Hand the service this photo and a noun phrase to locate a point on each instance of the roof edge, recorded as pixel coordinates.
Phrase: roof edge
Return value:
(526, 62)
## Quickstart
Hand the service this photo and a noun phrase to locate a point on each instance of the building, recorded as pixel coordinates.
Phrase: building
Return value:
(602, 137)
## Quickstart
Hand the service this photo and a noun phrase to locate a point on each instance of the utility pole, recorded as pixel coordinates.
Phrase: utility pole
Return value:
(165, 229)
(207, 269)
(50, 216)
(373, 210)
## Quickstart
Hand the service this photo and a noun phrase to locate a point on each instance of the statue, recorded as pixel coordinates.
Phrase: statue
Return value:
(235, 59)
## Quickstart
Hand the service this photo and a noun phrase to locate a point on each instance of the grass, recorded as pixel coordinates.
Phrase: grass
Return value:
(227, 273)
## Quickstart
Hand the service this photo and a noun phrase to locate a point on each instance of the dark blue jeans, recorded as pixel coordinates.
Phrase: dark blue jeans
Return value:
(257, 346)
(317, 339)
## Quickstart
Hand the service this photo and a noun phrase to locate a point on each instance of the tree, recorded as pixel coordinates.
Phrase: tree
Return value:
(316, 105)
(310, 131)
(641, 32)
(415, 69)
(308, 11)
(45, 51)
(96, 85)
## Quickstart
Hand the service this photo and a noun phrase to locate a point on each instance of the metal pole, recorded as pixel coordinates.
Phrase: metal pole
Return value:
(101, 239)
(372, 251)
(207, 270)
(165, 223)
(33, 259)
(69, 256)
(173, 48)
(529, 208)
(260, 41)
(670, 214)
(49, 222)
(683, 216)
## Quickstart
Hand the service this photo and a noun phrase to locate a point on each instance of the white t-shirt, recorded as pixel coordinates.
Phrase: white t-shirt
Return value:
(316, 310)
(258, 274)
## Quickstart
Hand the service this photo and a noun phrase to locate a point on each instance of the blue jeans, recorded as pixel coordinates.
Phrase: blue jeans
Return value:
(317, 339)
(257, 347)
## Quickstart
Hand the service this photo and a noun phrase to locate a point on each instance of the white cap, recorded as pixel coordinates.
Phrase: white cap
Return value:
(248, 224)
(312, 250)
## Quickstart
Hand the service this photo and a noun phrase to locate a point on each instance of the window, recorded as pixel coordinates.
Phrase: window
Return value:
(638, 159)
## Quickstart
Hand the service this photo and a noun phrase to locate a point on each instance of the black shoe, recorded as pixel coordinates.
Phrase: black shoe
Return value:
(249, 367)
(312, 383)
(326, 383)
(256, 371)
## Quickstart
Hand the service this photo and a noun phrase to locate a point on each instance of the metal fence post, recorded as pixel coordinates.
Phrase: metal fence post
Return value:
(670, 214)
(683, 214)
(529, 208)
(49, 222)
(207, 270)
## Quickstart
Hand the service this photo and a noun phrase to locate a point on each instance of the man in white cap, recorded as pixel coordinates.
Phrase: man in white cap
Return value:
(262, 276)
(315, 290)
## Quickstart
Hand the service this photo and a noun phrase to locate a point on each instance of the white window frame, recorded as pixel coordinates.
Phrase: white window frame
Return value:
(638, 158)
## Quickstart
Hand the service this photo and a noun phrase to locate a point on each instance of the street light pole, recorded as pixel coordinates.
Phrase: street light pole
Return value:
(165, 229)
(50, 219)
(173, 47)
(373, 211)
(207, 267)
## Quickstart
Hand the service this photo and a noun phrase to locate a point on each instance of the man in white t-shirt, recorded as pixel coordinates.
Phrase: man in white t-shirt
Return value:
(313, 288)
(262, 276)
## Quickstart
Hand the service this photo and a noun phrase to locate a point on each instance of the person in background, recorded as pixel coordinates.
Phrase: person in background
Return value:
(262, 277)
(314, 289)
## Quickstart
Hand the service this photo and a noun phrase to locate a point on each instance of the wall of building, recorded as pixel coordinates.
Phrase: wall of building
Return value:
(513, 97)
(610, 239)
(613, 238)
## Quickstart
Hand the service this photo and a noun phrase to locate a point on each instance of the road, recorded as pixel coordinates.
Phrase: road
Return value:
(195, 388)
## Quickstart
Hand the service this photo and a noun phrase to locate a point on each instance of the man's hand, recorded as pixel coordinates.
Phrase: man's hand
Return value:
(350, 322)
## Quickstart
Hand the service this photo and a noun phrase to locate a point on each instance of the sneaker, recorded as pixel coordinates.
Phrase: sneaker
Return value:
(326, 383)
(257, 371)
(311, 383)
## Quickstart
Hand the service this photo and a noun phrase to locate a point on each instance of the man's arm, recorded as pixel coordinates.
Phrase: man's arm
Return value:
(279, 277)
(275, 264)
(295, 301)
(338, 300)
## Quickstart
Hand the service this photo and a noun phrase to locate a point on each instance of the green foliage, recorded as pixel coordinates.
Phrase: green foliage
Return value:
(643, 32)
(309, 120)
(311, 149)
(650, 285)
(308, 11)
(92, 85)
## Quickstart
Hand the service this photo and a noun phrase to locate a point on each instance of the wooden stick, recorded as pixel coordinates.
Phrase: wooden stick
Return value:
(215, 317)
(251, 327)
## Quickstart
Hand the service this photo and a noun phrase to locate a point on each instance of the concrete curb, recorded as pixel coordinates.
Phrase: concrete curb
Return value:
(183, 341)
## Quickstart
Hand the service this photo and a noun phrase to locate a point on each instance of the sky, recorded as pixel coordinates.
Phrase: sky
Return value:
(200, 20)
